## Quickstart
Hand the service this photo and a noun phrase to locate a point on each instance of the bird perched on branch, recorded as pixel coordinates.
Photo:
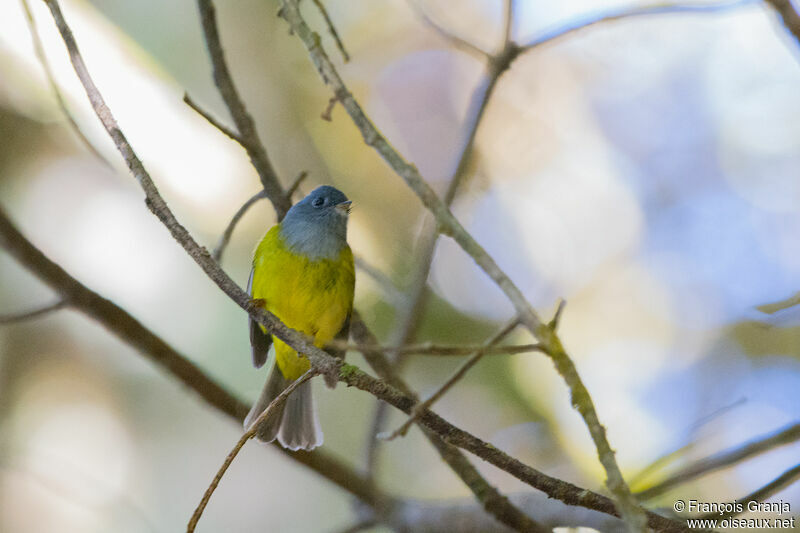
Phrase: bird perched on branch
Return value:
(302, 273)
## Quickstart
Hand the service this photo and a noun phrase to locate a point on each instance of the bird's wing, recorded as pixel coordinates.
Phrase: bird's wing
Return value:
(259, 340)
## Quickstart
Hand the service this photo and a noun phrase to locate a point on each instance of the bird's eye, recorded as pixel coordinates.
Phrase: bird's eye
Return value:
(318, 201)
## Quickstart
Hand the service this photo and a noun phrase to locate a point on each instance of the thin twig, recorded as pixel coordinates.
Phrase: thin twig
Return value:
(296, 184)
(210, 119)
(245, 125)
(578, 24)
(723, 459)
(38, 49)
(759, 495)
(225, 238)
(447, 385)
(789, 16)
(556, 320)
(455, 40)
(581, 399)
(774, 307)
(439, 350)
(386, 283)
(34, 313)
(508, 22)
(249, 434)
(332, 30)
(326, 114)
(662, 462)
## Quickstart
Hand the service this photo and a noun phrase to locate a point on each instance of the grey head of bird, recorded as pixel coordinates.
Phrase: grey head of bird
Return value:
(316, 226)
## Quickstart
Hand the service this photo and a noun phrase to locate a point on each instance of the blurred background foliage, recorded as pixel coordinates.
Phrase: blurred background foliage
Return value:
(646, 170)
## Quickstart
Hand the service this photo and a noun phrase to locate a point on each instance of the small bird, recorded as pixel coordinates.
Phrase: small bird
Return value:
(302, 273)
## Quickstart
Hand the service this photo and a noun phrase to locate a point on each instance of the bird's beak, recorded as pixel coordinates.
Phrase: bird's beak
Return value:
(343, 208)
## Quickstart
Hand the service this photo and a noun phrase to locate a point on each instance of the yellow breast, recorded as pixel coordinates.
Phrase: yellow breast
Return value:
(313, 297)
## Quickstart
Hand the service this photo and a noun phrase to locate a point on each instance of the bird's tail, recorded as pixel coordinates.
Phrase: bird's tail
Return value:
(295, 424)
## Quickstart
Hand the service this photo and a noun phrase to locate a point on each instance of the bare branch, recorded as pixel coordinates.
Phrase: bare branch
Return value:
(554, 322)
(773, 487)
(630, 12)
(249, 434)
(581, 400)
(326, 115)
(34, 313)
(225, 238)
(211, 120)
(774, 307)
(789, 16)
(723, 459)
(455, 40)
(244, 122)
(219, 249)
(38, 49)
(382, 279)
(332, 30)
(447, 385)
(508, 22)
(438, 350)
(296, 184)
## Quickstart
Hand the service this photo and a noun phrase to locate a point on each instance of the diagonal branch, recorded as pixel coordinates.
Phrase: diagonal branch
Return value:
(508, 21)
(225, 238)
(38, 49)
(245, 125)
(249, 434)
(581, 400)
(789, 16)
(455, 40)
(452, 380)
(226, 235)
(724, 459)
(761, 494)
(188, 100)
(34, 313)
(773, 307)
(438, 350)
(332, 29)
